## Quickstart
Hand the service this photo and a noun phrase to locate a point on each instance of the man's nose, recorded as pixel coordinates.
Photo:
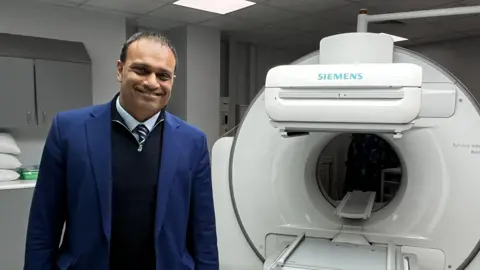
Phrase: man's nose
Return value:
(152, 81)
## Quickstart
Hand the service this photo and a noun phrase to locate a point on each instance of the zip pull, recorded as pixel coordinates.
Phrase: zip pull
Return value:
(140, 147)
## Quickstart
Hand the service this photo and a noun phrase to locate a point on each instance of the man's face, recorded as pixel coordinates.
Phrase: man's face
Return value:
(146, 77)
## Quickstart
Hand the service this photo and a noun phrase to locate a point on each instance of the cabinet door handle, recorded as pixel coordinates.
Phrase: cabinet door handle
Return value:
(44, 117)
(29, 117)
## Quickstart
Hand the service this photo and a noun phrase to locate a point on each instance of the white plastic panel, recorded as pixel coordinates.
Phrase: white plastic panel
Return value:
(369, 48)
(234, 251)
(438, 100)
(363, 93)
(354, 76)
(345, 110)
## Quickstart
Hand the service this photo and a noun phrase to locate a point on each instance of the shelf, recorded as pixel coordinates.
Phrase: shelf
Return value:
(17, 184)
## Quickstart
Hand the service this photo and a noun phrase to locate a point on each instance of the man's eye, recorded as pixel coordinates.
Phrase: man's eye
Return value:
(140, 71)
(164, 77)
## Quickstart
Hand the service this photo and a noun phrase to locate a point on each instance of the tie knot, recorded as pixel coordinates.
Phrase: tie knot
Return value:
(141, 127)
(142, 131)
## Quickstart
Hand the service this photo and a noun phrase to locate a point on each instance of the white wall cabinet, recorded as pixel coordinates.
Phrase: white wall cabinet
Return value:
(41, 77)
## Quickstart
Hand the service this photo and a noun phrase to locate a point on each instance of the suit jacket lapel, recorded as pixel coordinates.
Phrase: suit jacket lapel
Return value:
(98, 131)
(170, 147)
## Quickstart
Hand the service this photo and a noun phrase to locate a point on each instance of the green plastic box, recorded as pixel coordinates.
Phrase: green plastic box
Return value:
(28, 173)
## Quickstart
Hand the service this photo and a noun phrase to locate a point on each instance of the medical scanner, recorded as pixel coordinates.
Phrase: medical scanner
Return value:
(272, 213)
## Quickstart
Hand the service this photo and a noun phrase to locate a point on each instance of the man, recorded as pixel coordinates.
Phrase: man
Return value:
(130, 181)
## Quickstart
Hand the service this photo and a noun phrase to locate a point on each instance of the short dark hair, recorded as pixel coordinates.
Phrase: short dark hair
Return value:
(146, 34)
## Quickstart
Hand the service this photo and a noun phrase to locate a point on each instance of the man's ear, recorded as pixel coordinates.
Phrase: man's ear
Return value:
(120, 67)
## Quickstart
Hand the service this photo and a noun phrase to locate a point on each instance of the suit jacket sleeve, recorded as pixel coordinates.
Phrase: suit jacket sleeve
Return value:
(48, 208)
(202, 218)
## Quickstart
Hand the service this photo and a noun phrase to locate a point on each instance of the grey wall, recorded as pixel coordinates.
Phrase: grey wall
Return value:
(203, 80)
(224, 68)
(14, 210)
(178, 101)
(130, 28)
(196, 92)
(246, 66)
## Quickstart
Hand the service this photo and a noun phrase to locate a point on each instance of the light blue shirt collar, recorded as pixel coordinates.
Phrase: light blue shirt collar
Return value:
(131, 122)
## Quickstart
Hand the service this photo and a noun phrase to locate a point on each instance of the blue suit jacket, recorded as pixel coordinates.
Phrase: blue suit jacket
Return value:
(74, 186)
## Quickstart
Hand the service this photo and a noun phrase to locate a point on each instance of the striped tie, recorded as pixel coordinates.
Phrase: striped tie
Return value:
(142, 132)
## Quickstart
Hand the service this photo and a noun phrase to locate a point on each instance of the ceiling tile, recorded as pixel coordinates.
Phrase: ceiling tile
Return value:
(470, 23)
(410, 31)
(264, 14)
(307, 6)
(294, 35)
(184, 14)
(470, 2)
(130, 6)
(276, 32)
(157, 23)
(325, 31)
(306, 46)
(316, 25)
(227, 22)
(65, 1)
(349, 13)
(430, 39)
(62, 3)
(450, 5)
(346, 14)
(100, 10)
(473, 33)
(388, 6)
(306, 23)
(244, 36)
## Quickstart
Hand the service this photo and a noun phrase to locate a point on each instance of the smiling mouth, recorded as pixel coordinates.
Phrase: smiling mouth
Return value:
(148, 93)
